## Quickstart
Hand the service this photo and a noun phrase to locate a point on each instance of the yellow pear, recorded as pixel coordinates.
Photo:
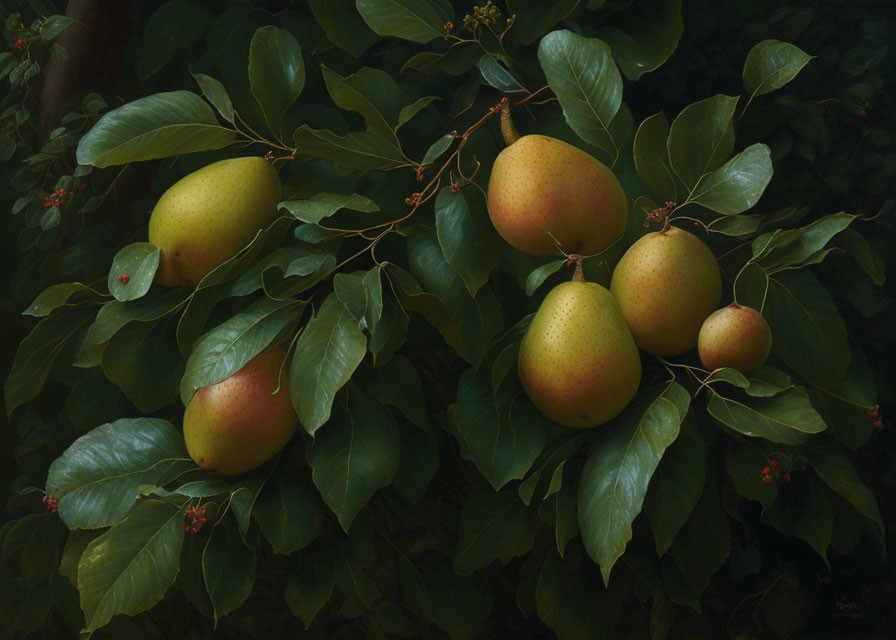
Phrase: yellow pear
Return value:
(541, 186)
(209, 215)
(666, 284)
(239, 423)
(578, 362)
(735, 336)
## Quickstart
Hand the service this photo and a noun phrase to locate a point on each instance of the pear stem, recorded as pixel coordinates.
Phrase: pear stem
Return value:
(578, 275)
(508, 130)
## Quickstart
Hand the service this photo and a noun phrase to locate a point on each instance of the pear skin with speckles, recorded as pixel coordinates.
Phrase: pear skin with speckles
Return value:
(239, 423)
(206, 217)
(541, 186)
(735, 336)
(667, 283)
(578, 362)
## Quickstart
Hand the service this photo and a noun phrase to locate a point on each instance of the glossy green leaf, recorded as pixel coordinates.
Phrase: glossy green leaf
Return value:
(561, 450)
(276, 73)
(415, 20)
(215, 92)
(228, 568)
(533, 20)
(343, 25)
(498, 76)
(644, 35)
(314, 209)
(751, 286)
(839, 474)
(289, 514)
(356, 454)
(437, 148)
(701, 138)
(581, 72)
(460, 222)
(55, 296)
(397, 383)
(98, 478)
(133, 270)
(809, 333)
(616, 475)
(493, 526)
(366, 93)
(652, 157)
(390, 332)
(856, 245)
(228, 347)
(174, 25)
(244, 496)
(326, 355)
(358, 150)
(738, 184)
(770, 65)
(788, 418)
(745, 463)
(801, 245)
(503, 439)
(407, 113)
(157, 126)
(129, 568)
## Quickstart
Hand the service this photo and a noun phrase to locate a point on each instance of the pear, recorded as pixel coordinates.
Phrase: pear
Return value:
(735, 336)
(209, 215)
(578, 362)
(542, 187)
(239, 423)
(666, 284)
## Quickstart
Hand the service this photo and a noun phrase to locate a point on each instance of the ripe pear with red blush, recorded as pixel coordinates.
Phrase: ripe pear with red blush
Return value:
(239, 423)
(666, 284)
(578, 362)
(735, 336)
(206, 217)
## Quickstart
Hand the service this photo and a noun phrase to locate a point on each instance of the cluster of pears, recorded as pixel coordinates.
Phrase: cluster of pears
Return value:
(201, 221)
(579, 359)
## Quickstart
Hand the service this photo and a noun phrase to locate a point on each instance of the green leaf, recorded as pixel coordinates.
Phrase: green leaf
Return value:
(581, 72)
(75, 544)
(788, 418)
(676, 485)
(397, 383)
(497, 75)
(98, 478)
(245, 495)
(174, 25)
(39, 350)
(276, 73)
(738, 184)
(418, 463)
(289, 514)
(228, 568)
(618, 470)
(144, 362)
(415, 20)
(228, 347)
(798, 246)
(808, 332)
(858, 387)
(764, 382)
(493, 526)
(306, 593)
(537, 277)
(503, 439)
(390, 332)
(652, 157)
(215, 92)
(157, 126)
(644, 35)
(837, 472)
(327, 353)
(54, 25)
(358, 150)
(129, 568)
(751, 286)
(133, 270)
(856, 245)
(803, 511)
(533, 20)
(438, 147)
(770, 65)
(93, 401)
(356, 454)
(314, 209)
(368, 93)
(342, 25)
(54, 297)
(460, 221)
(745, 463)
(560, 451)
(701, 138)
(411, 110)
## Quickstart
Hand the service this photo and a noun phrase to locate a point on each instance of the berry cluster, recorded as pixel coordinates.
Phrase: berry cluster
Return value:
(196, 518)
(660, 213)
(877, 421)
(772, 472)
(413, 199)
(124, 278)
(18, 44)
(52, 503)
(57, 198)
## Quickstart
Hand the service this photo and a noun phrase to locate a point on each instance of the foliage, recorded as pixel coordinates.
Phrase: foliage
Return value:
(426, 495)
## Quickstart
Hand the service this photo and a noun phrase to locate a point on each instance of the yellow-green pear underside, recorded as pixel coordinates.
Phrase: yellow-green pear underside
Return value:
(735, 336)
(209, 215)
(541, 186)
(666, 284)
(578, 362)
(239, 423)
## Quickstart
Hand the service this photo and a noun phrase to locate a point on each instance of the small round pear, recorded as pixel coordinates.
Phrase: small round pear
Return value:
(206, 217)
(666, 284)
(239, 423)
(578, 362)
(735, 336)
(542, 187)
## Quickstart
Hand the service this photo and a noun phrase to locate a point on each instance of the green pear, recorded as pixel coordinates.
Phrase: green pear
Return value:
(209, 215)
(542, 187)
(735, 336)
(666, 284)
(578, 362)
(239, 423)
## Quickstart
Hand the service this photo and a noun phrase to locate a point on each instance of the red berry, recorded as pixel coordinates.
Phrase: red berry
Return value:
(766, 471)
(124, 278)
(767, 479)
(19, 44)
(774, 462)
(47, 202)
